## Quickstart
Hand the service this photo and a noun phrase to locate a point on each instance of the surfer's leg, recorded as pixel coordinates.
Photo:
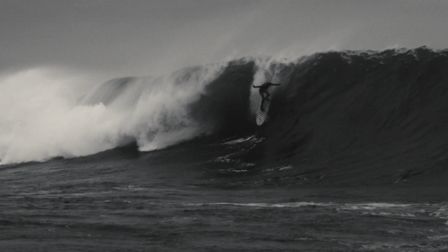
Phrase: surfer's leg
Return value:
(267, 97)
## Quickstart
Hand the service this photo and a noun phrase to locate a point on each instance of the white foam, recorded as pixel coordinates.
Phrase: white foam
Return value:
(264, 205)
(341, 206)
(43, 113)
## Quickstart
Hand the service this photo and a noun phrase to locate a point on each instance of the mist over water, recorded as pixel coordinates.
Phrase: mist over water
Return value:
(116, 38)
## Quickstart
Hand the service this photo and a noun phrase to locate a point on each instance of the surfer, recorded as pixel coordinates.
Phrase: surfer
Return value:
(265, 96)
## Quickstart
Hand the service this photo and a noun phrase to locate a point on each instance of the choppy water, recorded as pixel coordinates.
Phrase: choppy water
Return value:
(94, 204)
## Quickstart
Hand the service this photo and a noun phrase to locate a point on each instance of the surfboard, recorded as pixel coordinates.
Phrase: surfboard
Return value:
(262, 116)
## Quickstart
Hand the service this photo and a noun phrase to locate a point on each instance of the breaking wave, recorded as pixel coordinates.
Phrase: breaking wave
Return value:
(346, 109)
(45, 116)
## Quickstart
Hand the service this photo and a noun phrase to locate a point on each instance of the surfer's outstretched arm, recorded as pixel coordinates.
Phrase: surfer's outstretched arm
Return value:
(256, 86)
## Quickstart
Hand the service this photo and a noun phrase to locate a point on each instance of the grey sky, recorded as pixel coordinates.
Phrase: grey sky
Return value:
(128, 37)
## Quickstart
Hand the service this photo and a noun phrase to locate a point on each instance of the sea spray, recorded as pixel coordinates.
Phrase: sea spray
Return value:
(46, 113)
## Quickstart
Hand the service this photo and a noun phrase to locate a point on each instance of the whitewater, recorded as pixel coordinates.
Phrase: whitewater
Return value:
(47, 113)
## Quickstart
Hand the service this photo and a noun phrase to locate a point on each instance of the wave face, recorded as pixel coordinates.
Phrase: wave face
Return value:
(335, 111)
(376, 115)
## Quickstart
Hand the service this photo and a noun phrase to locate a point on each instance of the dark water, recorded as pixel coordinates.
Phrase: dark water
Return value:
(353, 158)
(179, 200)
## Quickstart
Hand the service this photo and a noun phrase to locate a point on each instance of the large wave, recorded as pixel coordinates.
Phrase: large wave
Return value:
(333, 109)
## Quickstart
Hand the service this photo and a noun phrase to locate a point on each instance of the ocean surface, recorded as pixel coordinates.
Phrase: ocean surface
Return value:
(352, 157)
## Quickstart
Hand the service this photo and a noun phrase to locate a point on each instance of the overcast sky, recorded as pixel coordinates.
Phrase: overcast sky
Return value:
(139, 37)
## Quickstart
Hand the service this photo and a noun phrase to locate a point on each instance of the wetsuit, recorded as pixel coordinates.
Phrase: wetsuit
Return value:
(263, 90)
